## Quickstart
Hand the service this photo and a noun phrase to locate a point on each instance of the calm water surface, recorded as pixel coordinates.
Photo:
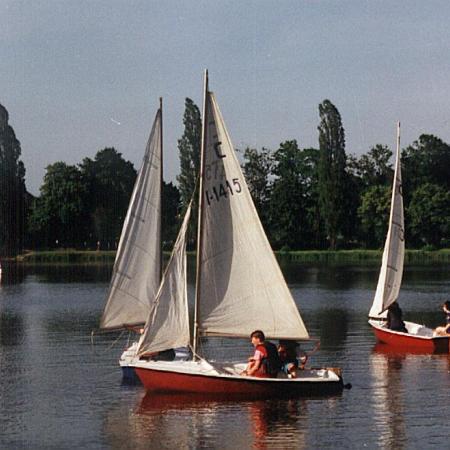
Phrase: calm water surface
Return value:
(59, 390)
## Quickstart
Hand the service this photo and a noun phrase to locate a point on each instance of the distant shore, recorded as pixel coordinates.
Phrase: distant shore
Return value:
(71, 256)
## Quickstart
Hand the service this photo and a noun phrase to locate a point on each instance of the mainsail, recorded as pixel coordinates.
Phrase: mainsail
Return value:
(137, 268)
(167, 325)
(241, 287)
(391, 272)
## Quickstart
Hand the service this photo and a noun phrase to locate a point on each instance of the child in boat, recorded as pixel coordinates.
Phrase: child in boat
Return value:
(287, 350)
(394, 318)
(445, 330)
(265, 361)
(292, 357)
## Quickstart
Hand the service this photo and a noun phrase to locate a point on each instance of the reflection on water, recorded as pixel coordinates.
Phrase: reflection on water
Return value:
(11, 328)
(388, 403)
(409, 389)
(59, 391)
(176, 421)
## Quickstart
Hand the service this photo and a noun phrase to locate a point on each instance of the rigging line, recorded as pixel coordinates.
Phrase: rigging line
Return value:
(107, 348)
(115, 342)
(212, 367)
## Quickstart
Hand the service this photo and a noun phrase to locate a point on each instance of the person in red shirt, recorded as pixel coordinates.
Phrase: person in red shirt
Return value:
(256, 366)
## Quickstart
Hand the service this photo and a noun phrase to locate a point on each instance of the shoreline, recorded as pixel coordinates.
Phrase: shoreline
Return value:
(71, 256)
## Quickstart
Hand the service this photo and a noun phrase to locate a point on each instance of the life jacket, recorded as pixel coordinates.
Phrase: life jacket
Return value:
(271, 360)
(287, 353)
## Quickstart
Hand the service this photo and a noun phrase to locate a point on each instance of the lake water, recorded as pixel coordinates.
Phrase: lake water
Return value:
(59, 390)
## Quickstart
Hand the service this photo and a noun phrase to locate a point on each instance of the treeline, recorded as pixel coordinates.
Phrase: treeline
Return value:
(307, 198)
(84, 205)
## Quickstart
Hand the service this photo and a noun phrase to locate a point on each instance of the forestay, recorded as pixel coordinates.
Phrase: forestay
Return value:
(241, 285)
(167, 325)
(137, 268)
(391, 272)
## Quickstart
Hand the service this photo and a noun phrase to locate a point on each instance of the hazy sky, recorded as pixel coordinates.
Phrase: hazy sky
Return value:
(71, 71)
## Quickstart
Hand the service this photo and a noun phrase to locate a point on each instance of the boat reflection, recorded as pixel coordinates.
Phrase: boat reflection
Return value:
(237, 424)
(387, 400)
(178, 421)
(393, 351)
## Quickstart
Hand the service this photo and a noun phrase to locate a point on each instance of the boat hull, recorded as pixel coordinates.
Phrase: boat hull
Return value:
(410, 342)
(168, 381)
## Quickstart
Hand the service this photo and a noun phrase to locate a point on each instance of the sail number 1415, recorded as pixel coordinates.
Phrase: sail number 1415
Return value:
(222, 190)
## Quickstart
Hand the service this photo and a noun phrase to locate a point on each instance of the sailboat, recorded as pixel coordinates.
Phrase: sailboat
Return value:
(418, 337)
(239, 288)
(137, 268)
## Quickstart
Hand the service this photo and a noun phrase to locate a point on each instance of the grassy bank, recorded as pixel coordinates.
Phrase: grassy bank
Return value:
(306, 256)
(364, 256)
(68, 257)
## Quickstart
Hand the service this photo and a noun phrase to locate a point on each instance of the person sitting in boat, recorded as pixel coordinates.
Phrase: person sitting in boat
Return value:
(444, 330)
(394, 318)
(292, 358)
(265, 362)
(164, 355)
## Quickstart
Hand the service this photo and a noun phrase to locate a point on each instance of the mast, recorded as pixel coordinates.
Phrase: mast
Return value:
(161, 188)
(200, 215)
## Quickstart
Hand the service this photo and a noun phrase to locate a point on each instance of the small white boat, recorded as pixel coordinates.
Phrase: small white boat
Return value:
(138, 265)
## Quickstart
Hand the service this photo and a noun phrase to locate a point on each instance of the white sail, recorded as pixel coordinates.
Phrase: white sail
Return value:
(241, 287)
(391, 272)
(167, 325)
(137, 268)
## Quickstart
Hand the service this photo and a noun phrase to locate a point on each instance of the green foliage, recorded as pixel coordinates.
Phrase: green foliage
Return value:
(293, 199)
(170, 214)
(59, 216)
(12, 190)
(374, 215)
(373, 168)
(427, 160)
(109, 181)
(332, 172)
(257, 168)
(429, 214)
(80, 206)
(189, 150)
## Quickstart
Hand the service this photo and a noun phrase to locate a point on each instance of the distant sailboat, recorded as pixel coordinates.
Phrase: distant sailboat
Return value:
(137, 269)
(418, 336)
(239, 287)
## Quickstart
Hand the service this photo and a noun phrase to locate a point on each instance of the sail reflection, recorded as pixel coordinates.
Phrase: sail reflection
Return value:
(387, 397)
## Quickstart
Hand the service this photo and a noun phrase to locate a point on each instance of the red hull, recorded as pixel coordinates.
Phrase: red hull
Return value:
(407, 342)
(166, 381)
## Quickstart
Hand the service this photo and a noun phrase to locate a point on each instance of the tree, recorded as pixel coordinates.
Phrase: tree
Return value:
(59, 214)
(12, 189)
(427, 160)
(332, 174)
(374, 215)
(373, 168)
(293, 196)
(189, 150)
(109, 180)
(429, 214)
(170, 214)
(257, 168)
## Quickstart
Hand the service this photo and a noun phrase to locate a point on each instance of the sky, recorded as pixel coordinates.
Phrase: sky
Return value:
(79, 76)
